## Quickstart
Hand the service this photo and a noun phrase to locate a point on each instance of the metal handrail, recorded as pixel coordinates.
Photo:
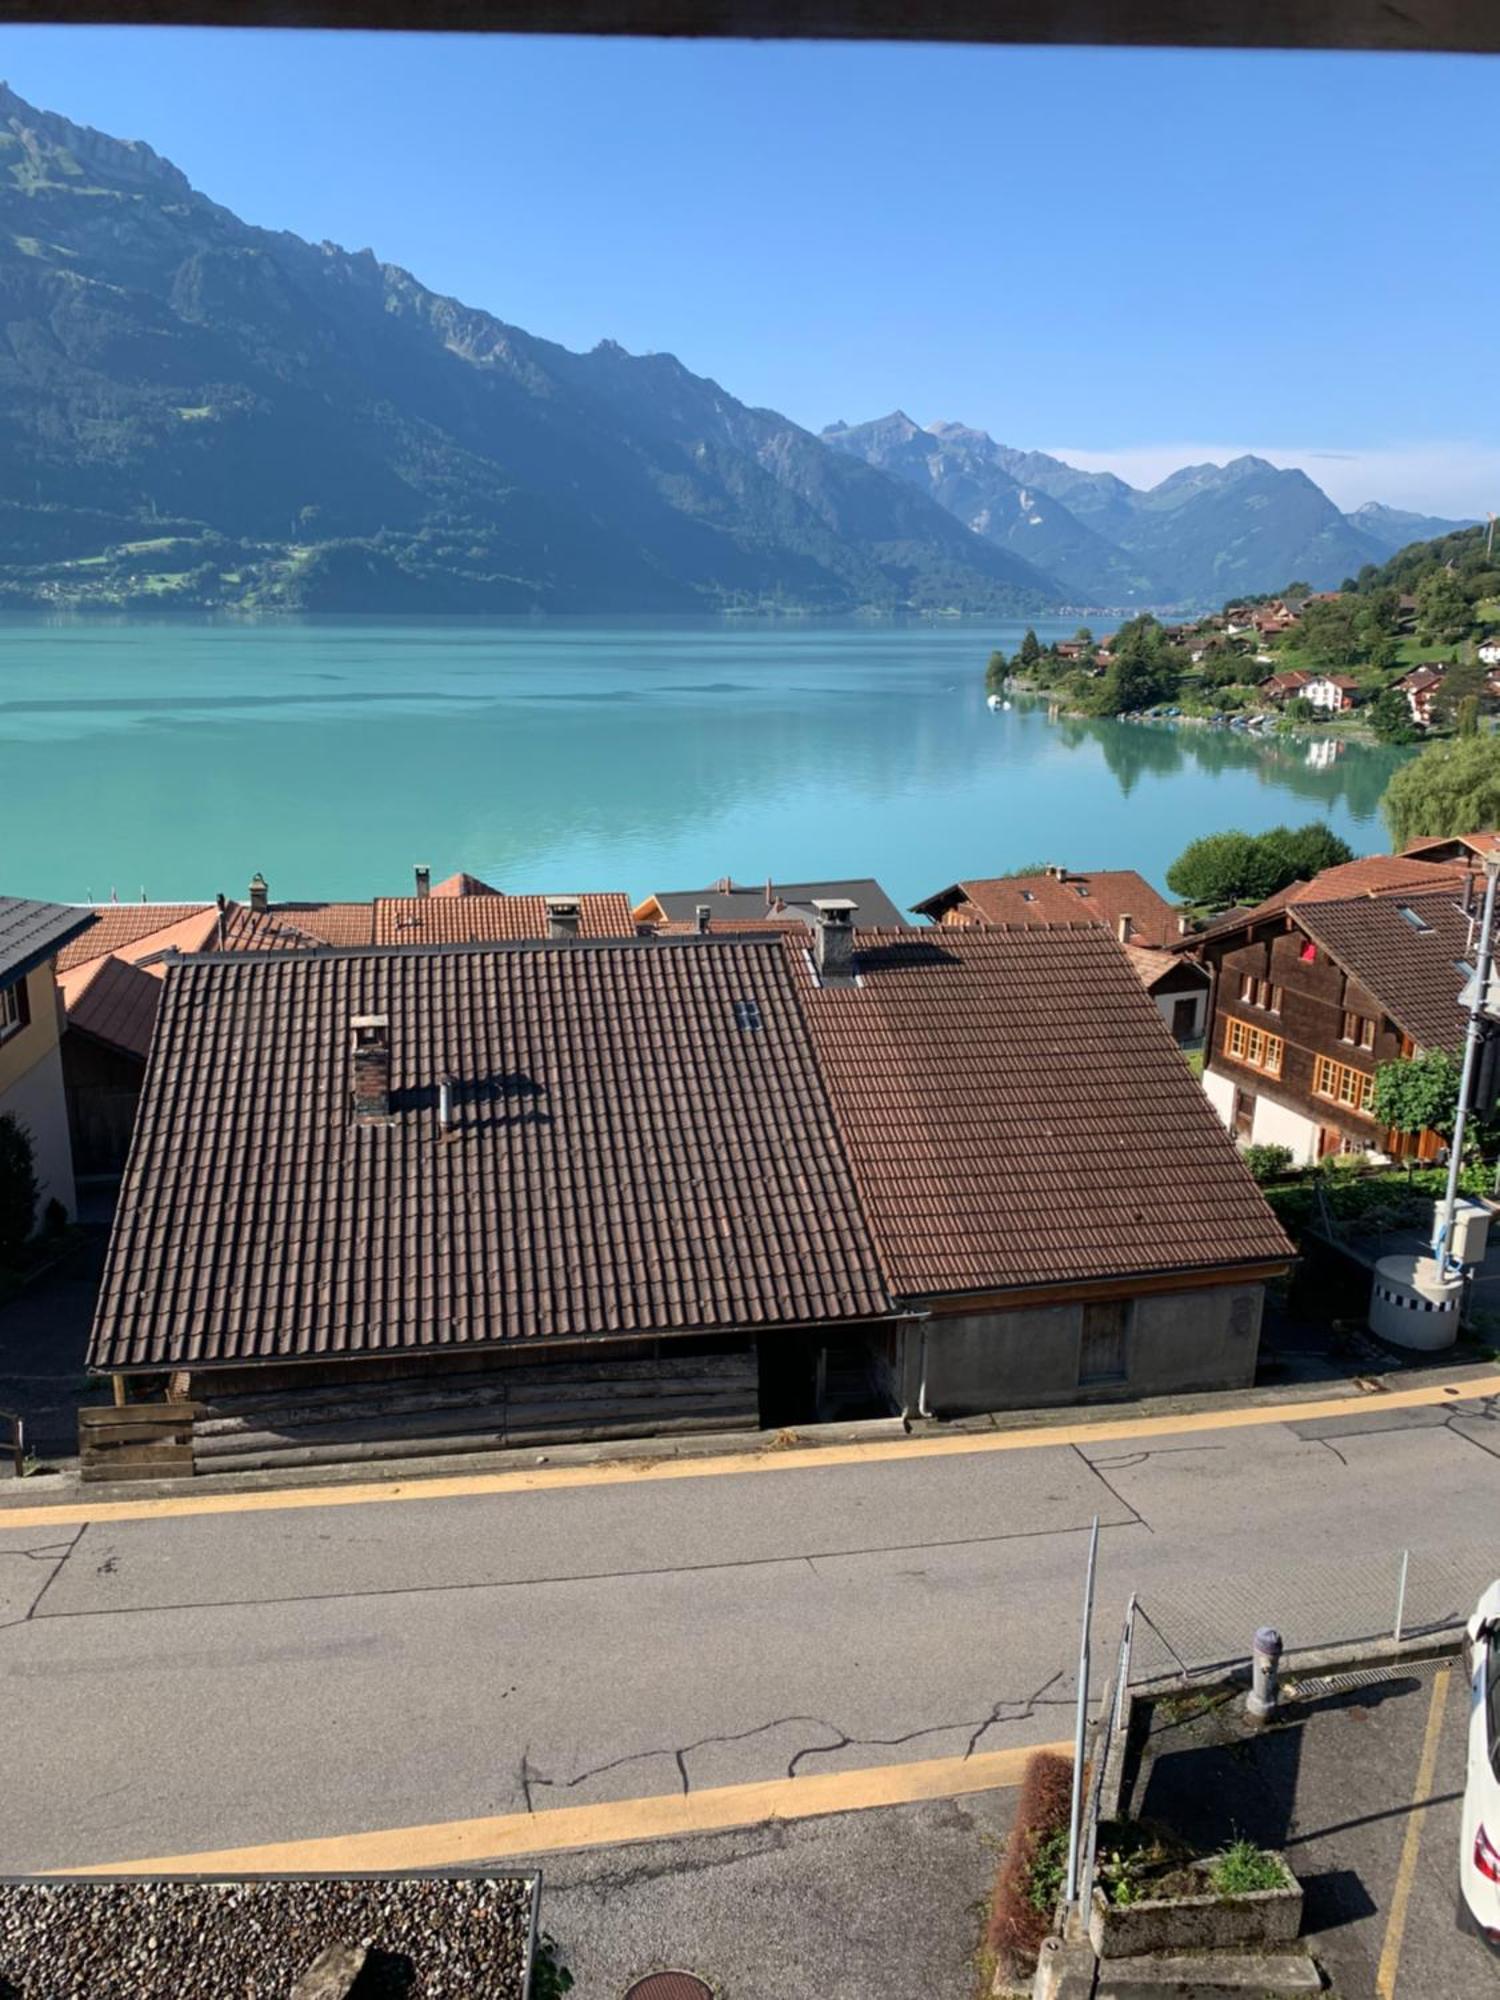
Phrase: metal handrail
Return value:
(18, 1440)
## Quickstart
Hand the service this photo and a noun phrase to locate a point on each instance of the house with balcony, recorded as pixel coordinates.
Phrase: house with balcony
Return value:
(1312, 993)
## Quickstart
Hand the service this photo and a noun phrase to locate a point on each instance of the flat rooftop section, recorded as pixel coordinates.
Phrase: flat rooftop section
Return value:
(460, 1937)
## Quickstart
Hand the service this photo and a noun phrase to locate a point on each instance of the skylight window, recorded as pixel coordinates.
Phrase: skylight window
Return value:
(1028, 895)
(1417, 923)
(747, 1014)
(1080, 888)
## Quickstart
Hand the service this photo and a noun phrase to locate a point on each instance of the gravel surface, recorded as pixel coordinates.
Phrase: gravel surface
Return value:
(441, 1938)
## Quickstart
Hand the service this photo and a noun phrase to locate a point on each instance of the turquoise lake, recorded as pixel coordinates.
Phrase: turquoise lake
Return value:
(334, 755)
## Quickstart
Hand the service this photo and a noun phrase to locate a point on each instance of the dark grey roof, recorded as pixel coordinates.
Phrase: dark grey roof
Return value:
(875, 911)
(32, 932)
(1411, 953)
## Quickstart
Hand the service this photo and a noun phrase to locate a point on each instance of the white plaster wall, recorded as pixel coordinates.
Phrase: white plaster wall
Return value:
(1166, 1006)
(1219, 1090)
(39, 1101)
(1274, 1125)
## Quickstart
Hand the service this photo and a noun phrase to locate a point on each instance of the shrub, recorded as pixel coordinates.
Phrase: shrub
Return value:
(1035, 1857)
(1266, 1163)
(18, 1189)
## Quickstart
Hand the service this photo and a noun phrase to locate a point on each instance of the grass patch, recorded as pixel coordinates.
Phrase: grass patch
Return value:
(1243, 1868)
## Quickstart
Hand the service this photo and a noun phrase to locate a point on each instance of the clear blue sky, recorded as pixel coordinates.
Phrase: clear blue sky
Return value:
(1131, 256)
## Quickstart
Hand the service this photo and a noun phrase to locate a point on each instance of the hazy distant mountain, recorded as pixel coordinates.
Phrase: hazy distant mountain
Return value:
(1204, 534)
(963, 471)
(226, 412)
(1392, 528)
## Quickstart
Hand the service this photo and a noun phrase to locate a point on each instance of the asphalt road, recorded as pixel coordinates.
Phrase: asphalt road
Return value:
(218, 1680)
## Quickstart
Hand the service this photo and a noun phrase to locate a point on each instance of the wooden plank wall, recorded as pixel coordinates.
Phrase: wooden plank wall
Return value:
(137, 1441)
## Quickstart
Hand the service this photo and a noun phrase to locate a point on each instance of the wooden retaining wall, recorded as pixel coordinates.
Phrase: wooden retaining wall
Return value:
(561, 1402)
(137, 1440)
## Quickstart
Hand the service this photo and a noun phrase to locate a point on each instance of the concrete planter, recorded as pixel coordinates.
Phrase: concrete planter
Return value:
(1197, 1923)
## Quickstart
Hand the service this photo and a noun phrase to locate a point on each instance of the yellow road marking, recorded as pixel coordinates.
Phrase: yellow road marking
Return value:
(1390, 1956)
(631, 1472)
(458, 1843)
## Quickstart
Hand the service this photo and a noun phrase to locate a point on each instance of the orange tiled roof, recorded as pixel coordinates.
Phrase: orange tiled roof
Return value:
(1097, 896)
(114, 1001)
(463, 885)
(491, 919)
(117, 925)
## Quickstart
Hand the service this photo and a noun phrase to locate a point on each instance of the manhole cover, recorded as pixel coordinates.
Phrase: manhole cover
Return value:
(670, 1986)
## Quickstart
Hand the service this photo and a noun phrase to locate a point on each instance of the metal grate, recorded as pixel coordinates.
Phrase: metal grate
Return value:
(670, 1986)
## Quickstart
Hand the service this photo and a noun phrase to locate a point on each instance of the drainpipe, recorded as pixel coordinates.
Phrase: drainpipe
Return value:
(918, 1319)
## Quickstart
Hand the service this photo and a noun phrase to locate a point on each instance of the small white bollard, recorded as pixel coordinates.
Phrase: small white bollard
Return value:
(1265, 1664)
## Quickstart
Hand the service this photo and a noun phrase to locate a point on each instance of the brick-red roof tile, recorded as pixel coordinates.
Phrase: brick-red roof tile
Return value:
(117, 925)
(114, 1001)
(491, 919)
(1087, 896)
(1017, 1113)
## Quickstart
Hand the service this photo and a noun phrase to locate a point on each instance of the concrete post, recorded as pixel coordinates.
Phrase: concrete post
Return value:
(1265, 1665)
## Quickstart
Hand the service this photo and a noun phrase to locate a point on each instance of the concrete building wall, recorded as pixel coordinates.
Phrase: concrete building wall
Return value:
(1167, 1005)
(31, 1089)
(1275, 1125)
(1174, 1342)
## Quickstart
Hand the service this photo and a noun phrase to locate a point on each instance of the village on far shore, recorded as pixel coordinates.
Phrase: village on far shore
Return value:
(1399, 654)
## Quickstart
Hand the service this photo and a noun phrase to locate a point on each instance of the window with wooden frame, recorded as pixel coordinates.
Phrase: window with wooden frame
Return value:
(1254, 1047)
(1340, 1084)
(1256, 992)
(14, 1012)
(1358, 1029)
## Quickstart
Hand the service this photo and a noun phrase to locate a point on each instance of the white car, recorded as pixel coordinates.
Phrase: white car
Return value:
(1479, 1838)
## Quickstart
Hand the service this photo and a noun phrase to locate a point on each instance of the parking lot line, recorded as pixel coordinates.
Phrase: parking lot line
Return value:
(1395, 1927)
(455, 1843)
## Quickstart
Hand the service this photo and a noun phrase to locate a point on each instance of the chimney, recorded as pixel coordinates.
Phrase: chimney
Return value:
(447, 1099)
(1184, 925)
(372, 1068)
(424, 881)
(770, 894)
(260, 894)
(1124, 927)
(833, 940)
(563, 916)
(701, 918)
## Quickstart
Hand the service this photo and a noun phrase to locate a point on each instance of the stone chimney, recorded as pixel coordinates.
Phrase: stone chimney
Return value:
(260, 894)
(372, 1068)
(1124, 927)
(424, 881)
(833, 940)
(563, 916)
(702, 917)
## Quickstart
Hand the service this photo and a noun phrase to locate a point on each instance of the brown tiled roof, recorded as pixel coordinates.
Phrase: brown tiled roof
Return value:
(463, 885)
(1411, 968)
(116, 925)
(491, 919)
(114, 1001)
(1477, 844)
(1370, 875)
(1017, 1113)
(643, 1145)
(1151, 967)
(341, 924)
(728, 902)
(1096, 896)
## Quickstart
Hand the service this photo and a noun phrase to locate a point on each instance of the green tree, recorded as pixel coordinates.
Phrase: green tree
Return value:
(1329, 634)
(1390, 717)
(1418, 1093)
(1084, 637)
(1466, 716)
(18, 1188)
(1453, 787)
(1029, 653)
(1381, 648)
(1296, 854)
(1443, 612)
(1222, 868)
(1464, 682)
(998, 668)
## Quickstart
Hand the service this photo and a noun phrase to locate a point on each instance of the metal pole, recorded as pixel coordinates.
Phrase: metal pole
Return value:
(1401, 1595)
(1473, 1036)
(1075, 1818)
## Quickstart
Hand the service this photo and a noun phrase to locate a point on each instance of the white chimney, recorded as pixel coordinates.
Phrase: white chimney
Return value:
(1124, 928)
